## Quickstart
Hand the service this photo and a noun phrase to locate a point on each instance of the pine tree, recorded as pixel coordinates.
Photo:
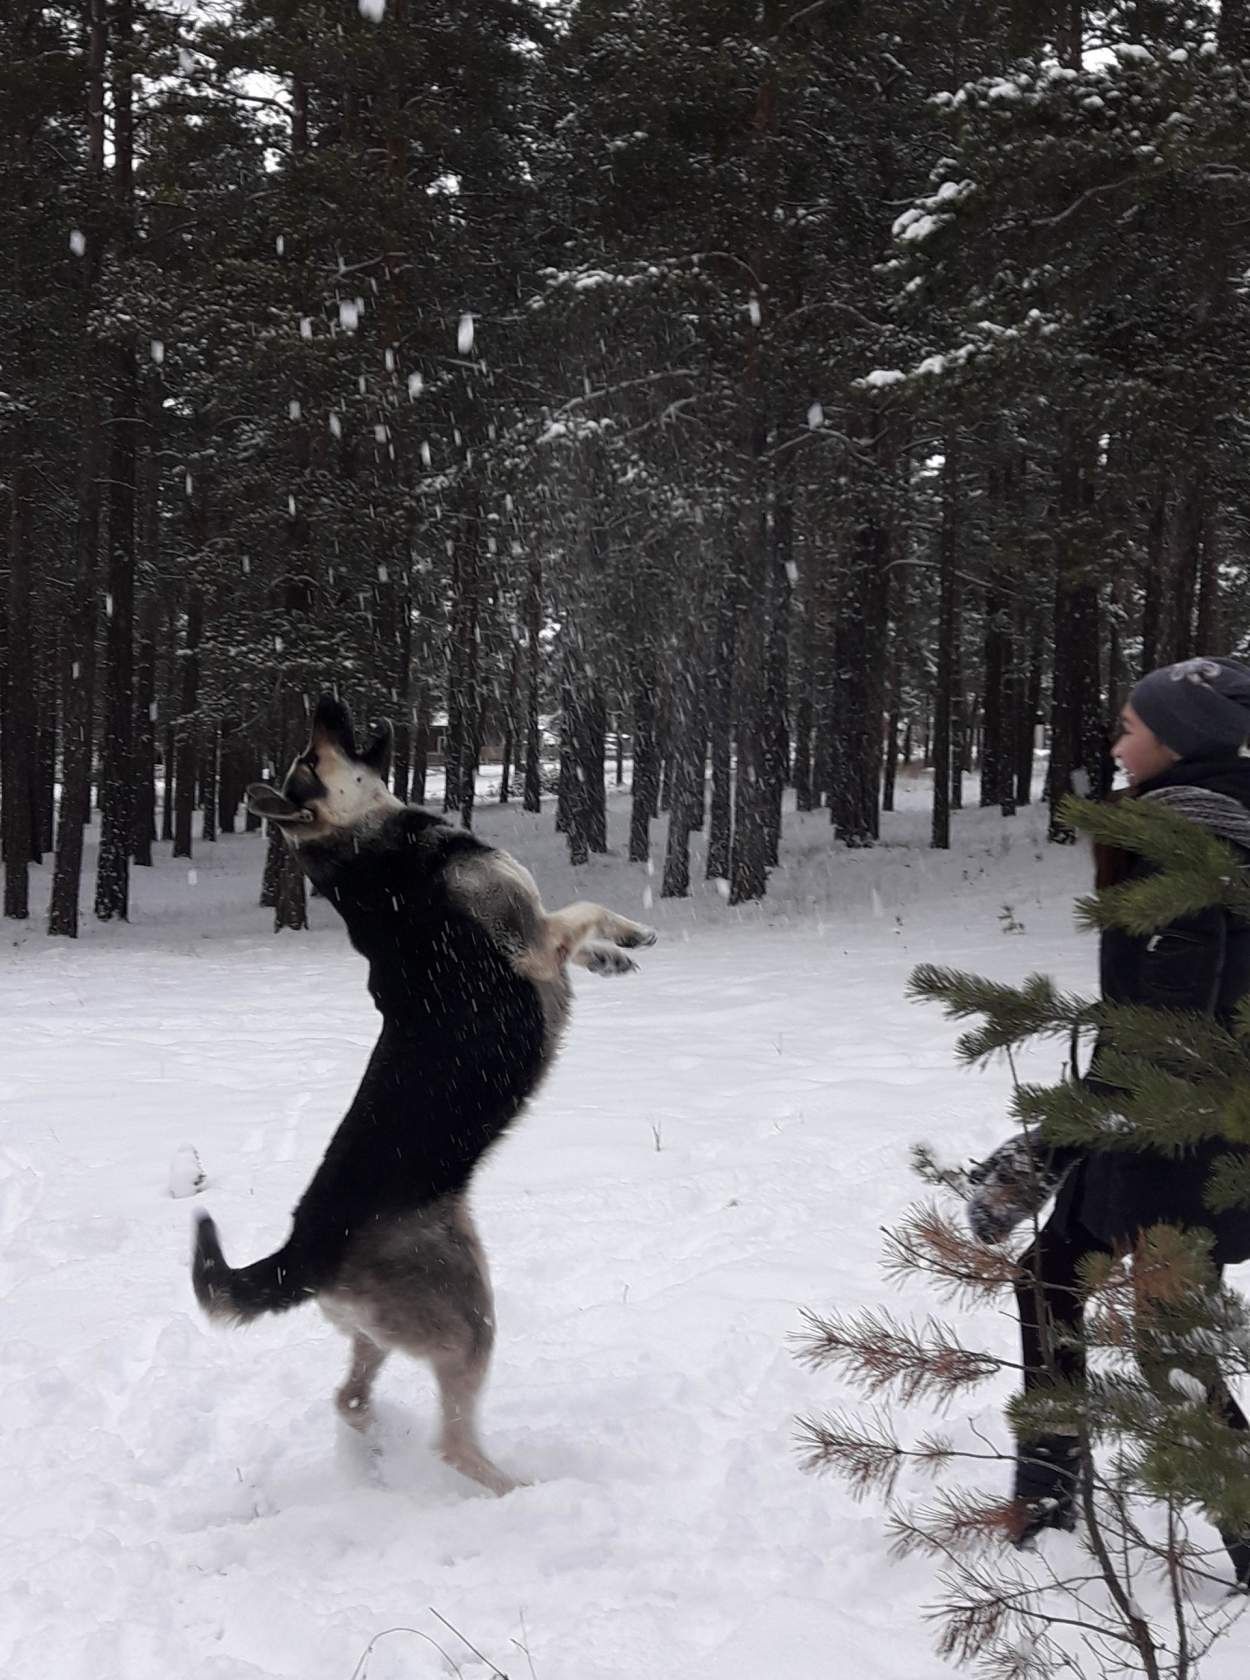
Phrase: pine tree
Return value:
(1150, 1415)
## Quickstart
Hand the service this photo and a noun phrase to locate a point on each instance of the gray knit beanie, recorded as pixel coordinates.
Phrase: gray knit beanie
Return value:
(1200, 706)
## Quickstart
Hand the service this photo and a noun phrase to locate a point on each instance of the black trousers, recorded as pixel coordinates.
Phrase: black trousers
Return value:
(1052, 1309)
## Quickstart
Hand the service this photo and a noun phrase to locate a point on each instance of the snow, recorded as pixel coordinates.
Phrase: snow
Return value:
(916, 225)
(881, 377)
(78, 242)
(374, 10)
(464, 335)
(721, 1140)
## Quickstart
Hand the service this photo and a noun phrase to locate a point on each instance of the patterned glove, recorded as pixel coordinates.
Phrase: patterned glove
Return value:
(1014, 1184)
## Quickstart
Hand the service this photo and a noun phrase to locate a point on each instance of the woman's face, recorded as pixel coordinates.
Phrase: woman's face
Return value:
(1138, 751)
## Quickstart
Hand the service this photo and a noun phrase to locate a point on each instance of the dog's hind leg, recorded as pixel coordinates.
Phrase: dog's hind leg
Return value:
(353, 1398)
(461, 1372)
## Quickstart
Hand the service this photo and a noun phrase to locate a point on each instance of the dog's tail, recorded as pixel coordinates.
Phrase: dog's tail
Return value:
(271, 1285)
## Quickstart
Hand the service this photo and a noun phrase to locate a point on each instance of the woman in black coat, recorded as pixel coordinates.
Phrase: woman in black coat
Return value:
(1180, 744)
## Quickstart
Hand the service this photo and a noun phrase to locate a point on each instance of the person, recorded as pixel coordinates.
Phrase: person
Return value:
(1180, 743)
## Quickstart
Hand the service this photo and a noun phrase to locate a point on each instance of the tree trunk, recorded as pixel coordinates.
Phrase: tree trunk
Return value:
(291, 901)
(420, 746)
(208, 781)
(510, 732)
(17, 775)
(78, 706)
(591, 746)
(748, 873)
(776, 677)
(533, 681)
(1030, 636)
(898, 642)
(112, 894)
(1153, 584)
(949, 540)
(1079, 758)
(854, 809)
(168, 752)
(187, 731)
(804, 717)
(688, 750)
(1210, 617)
(571, 801)
(401, 755)
(995, 718)
(145, 735)
(721, 726)
(1187, 562)
(646, 762)
(958, 702)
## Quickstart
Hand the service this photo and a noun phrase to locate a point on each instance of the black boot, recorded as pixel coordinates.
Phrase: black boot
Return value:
(1238, 1548)
(1047, 1472)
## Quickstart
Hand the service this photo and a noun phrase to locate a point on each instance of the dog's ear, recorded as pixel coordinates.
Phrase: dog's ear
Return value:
(377, 754)
(332, 726)
(265, 801)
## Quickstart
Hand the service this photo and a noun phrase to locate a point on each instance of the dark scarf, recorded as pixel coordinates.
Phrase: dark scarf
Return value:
(1215, 793)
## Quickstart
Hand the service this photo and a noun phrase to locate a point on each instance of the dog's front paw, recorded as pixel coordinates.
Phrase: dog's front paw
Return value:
(637, 936)
(606, 959)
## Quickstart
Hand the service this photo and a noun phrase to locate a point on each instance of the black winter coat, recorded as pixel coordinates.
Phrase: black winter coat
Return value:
(1201, 963)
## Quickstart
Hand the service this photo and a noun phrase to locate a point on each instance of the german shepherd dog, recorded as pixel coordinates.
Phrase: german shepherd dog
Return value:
(469, 974)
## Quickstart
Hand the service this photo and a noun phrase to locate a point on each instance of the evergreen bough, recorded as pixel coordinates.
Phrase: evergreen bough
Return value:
(1165, 1472)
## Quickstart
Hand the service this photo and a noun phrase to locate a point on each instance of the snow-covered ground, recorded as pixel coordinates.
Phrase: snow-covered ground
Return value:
(723, 1138)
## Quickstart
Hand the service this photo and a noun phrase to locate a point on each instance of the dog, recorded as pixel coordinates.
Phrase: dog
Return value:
(469, 973)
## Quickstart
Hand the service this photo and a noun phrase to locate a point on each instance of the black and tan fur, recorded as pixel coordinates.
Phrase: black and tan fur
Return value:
(469, 973)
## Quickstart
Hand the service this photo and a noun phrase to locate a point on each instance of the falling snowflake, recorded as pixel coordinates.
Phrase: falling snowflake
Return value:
(349, 314)
(425, 454)
(389, 359)
(815, 416)
(792, 571)
(415, 385)
(464, 336)
(753, 309)
(383, 574)
(157, 351)
(293, 408)
(77, 242)
(336, 426)
(279, 245)
(305, 326)
(374, 10)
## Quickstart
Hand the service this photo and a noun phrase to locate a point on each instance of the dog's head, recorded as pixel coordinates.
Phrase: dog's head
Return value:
(331, 787)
